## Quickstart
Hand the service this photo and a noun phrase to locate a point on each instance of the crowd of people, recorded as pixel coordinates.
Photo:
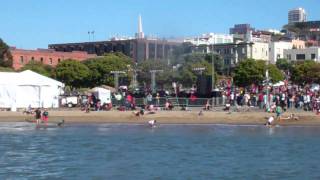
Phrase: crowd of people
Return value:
(284, 97)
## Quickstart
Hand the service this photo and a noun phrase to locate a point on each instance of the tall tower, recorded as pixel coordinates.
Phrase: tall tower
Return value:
(297, 15)
(140, 34)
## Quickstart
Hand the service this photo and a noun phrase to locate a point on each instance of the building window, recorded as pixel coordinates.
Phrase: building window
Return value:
(41, 59)
(300, 56)
(243, 51)
(289, 56)
(32, 58)
(21, 59)
(59, 60)
(313, 56)
(50, 60)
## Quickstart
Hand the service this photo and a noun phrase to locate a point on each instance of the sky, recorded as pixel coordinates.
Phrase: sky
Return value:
(32, 24)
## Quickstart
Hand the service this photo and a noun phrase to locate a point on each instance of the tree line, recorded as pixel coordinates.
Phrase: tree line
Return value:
(182, 70)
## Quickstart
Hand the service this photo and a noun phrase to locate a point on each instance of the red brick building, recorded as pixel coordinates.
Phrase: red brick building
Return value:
(50, 57)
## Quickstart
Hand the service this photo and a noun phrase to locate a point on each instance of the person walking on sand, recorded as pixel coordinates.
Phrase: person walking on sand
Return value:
(38, 115)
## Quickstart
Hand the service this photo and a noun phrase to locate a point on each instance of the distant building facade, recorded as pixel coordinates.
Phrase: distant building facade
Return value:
(307, 31)
(312, 53)
(298, 44)
(241, 29)
(233, 53)
(21, 57)
(138, 49)
(297, 15)
(276, 50)
(210, 38)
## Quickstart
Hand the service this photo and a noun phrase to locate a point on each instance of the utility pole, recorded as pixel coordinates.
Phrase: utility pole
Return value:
(134, 77)
(267, 79)
(153, 79)
(212, 65)
(212, 78)
(116, 78)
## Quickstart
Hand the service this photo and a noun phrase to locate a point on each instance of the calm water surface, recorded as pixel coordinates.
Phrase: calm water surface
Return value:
(107, 151)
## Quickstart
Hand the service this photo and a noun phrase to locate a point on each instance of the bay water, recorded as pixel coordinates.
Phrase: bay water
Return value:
(114, 151)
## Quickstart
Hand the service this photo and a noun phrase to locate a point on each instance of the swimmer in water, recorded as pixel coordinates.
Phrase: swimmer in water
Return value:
(269, 123)
(152, 123)
(61, 123)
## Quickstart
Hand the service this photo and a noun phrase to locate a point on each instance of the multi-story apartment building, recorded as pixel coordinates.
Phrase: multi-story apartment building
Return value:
(297, 15)
(311, 53)
(232, 53)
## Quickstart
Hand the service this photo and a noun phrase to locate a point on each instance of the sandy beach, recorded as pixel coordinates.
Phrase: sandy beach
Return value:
(166, 117)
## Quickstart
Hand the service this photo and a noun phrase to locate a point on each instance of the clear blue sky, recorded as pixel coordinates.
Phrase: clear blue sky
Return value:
(36, 23)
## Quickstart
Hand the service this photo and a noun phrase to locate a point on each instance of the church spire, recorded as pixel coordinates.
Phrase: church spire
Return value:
(140, 34)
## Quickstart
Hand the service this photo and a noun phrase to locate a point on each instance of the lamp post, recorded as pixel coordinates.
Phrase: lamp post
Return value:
(134, 71)
(212, 78)
(153, 79)
(116, 78)
(267, 81)
(212, 73)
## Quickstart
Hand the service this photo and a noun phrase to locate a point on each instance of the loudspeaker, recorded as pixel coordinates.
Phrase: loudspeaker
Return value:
(204, 85)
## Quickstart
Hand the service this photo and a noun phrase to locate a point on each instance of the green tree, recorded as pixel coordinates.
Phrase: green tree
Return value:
(100, 68)
(306, 72)
(201, 57)
(5, 55)
(218, 62)
(252, 71)
(162, 78)
(275, 73)
(72, 73)
(284, 64)
(6, 69)
(38, 67)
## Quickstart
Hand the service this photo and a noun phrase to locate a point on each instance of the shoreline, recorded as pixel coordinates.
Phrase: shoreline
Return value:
(167, 117)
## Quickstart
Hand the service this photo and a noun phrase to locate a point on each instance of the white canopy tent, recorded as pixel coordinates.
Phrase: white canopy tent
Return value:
(280, 83)
(103, 94)
(19, 90)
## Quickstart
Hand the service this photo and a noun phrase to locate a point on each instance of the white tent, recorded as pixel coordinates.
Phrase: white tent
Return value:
(280, 83)
(19, 90)
(103, 94)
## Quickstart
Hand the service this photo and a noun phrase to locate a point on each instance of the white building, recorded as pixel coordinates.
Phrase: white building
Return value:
(312, 53)
(297, 15)
(210, 38)
(260, 50)
(276, 50)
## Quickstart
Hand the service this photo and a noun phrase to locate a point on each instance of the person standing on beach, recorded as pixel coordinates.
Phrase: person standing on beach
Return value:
(45, 116)
(38, 115)
(278, 112)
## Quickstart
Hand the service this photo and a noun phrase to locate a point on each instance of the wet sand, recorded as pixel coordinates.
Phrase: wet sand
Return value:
(166, 117)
